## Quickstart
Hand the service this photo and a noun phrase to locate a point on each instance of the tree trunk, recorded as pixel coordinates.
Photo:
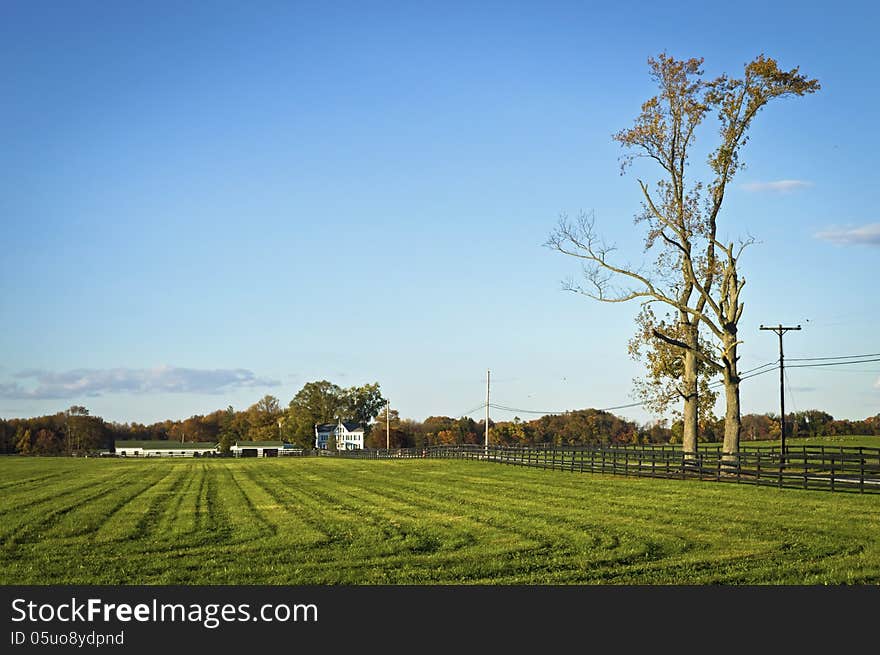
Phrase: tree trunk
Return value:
(691, 411)
(732, 417)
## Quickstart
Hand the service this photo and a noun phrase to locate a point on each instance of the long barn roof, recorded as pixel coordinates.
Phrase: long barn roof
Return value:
(165, 445)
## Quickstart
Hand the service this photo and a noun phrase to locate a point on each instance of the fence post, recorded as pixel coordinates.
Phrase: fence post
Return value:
(832, 473)
(861, 472)
(806, 468)
(781, 467)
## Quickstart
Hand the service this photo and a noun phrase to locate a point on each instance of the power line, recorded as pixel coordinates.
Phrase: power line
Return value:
(524, 411)
(745, 375)
(816, 359)
(717, 383)
(773, 363)
(861, 361)
(477, 408)
(851, 370)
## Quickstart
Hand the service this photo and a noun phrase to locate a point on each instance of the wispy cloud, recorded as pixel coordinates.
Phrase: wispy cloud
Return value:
(96, 382)
(868, 235)
(877, 384)
(778, 186)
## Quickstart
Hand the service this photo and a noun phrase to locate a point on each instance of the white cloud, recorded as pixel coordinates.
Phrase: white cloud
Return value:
(864, 235)
(96, 382)
(779, 186)
(877, 384)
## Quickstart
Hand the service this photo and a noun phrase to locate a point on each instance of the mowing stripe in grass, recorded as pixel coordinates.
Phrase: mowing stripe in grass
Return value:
(295, 506)
(87, 518)
(141, 513)
(335, 521)
(29, 526)
(248, 523)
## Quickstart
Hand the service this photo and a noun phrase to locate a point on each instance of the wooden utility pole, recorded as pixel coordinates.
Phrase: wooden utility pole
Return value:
(388, 425)
(487, 412)
(780, 330)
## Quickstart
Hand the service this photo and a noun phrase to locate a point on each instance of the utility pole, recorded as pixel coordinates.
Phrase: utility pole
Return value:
(387, 425)
(487, 412)
(780, 330)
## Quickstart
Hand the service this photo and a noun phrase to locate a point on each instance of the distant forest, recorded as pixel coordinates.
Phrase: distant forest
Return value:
(77, 431)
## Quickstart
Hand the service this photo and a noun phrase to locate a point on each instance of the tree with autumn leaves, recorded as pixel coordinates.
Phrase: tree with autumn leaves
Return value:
(695, 274)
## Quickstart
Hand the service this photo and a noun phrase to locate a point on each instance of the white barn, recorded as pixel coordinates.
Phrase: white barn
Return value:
(348, 435)
(165, 448)
(261, 449)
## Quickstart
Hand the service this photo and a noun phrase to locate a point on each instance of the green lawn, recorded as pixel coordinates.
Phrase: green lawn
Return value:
(854, 441)
(342, 521)
(847, 440)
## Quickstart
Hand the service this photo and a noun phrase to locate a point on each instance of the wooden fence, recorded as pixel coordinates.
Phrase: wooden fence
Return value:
(807, 467)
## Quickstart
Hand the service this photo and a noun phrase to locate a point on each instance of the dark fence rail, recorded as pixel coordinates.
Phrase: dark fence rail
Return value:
(808, 467)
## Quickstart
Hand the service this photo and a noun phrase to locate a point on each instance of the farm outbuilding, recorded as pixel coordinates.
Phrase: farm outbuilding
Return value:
(165, 448)
(260, 448)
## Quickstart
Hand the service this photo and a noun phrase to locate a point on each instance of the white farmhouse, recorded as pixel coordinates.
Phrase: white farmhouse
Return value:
(348, 435)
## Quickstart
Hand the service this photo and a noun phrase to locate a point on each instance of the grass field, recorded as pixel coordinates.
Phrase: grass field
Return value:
(847, 440)
(336, 521)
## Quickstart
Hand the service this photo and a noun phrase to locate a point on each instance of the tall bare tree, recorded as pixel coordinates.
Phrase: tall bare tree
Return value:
(737, 101)
(694, 273)
(664, 133)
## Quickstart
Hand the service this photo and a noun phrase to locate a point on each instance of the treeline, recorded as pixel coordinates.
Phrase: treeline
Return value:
(76, 431)
(582, 427)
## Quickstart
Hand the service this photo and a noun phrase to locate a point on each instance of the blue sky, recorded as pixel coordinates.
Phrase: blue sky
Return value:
(204, 203)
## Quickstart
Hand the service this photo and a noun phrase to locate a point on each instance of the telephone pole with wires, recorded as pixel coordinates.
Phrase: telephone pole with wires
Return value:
(488, 373)
(780, 330)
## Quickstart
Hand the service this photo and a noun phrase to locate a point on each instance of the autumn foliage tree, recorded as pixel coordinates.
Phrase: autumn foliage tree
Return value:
(661, 389)
(694, 273)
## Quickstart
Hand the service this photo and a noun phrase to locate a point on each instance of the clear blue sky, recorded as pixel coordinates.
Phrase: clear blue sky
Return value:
(206, 202)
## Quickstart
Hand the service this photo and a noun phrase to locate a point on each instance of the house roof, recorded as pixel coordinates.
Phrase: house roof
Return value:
(260, 444)
(165, 445)
(351, 426)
